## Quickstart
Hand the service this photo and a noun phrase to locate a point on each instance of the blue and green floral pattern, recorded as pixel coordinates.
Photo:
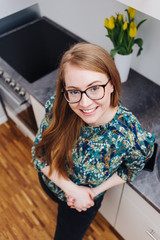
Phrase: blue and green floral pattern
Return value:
(120, 146)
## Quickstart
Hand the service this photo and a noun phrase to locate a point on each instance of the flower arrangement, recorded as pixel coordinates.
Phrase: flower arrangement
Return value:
(122, 33)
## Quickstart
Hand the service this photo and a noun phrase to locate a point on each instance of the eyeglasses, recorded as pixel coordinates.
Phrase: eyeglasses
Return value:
(96, 92)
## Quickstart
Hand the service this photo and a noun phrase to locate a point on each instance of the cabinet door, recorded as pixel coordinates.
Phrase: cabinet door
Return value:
(110, 204)
(3, 117)
(136, 218)
(38, 110)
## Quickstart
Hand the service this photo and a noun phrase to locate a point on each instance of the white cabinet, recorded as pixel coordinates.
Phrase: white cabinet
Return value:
(38, 110)
(136, 218)
(149, 7)
(3, 117)
(110, 204)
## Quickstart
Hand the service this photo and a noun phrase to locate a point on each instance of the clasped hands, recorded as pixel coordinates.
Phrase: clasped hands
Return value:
(78, 197)
(82, 199)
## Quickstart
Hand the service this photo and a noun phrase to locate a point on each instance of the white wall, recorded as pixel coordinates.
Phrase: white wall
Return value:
(148, 63)
(86, 19)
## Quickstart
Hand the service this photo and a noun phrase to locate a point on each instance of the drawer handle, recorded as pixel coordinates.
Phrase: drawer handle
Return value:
(151, 234)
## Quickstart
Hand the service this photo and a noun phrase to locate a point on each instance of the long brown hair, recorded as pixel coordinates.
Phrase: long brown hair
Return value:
(59, 138)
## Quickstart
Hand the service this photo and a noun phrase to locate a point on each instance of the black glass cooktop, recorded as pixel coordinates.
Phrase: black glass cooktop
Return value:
(35, 49)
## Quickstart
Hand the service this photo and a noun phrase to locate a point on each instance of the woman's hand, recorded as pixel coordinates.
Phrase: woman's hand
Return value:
(80, 198)
(70, 200)
(83, 195)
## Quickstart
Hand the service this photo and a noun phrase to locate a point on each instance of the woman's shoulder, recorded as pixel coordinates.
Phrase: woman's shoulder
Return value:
(126, 113)
(49, 107)
(130, 126)
(126, 118)
(49, 103)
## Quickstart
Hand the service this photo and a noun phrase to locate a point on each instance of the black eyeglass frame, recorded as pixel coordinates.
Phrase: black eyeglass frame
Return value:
(102, 85)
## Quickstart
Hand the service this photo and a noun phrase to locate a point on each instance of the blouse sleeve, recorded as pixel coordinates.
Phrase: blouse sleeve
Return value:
(44, 124)
(141, 147)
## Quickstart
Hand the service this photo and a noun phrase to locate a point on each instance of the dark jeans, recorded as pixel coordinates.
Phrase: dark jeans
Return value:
(71, 224)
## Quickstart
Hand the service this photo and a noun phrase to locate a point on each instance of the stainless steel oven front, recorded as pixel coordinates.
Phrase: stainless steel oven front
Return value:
(16, 101)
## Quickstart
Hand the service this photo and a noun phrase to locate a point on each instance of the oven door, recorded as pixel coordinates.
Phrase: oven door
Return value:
(18, 107)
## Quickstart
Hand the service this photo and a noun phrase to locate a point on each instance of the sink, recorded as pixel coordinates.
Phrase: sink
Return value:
(35, 49)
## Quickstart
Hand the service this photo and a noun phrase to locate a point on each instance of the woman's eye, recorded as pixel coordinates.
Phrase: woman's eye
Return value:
(73, 92)
(95, 88)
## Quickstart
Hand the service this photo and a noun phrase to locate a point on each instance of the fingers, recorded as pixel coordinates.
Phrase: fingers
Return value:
(80, 210)
(73, 204)
(81, 203)
(91, 194)
(70, 200)
(91, 204)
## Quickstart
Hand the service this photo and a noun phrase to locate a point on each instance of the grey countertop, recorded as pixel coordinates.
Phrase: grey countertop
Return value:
(142, 97)
(139, 95)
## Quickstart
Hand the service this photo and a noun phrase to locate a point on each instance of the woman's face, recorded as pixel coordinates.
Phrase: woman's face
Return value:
(93, 112)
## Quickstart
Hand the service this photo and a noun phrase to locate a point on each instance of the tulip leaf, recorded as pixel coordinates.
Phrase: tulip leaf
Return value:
(123, 51)
(139, 24)
(113, 52)
(139, 42)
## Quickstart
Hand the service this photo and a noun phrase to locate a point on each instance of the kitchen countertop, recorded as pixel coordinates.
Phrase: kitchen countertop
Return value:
(142, 97)
(139, 95)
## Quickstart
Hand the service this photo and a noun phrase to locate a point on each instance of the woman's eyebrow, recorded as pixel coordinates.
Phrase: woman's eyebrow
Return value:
(95, 82)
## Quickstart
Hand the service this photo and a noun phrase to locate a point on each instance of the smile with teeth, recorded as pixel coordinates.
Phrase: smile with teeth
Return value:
(89, 110)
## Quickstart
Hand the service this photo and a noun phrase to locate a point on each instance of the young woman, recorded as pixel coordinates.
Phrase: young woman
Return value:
(87, 142)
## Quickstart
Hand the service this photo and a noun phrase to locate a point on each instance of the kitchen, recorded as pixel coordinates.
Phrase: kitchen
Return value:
(145, 65)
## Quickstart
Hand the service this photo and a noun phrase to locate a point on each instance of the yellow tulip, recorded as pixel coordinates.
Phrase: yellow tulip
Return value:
(111, 23)
(125, 26)
(113, 18)
(132, 30)
(120, 17)
(131, 12)
(106, 22)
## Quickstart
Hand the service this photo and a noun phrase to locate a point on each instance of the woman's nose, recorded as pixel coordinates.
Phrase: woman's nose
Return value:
(85, 100)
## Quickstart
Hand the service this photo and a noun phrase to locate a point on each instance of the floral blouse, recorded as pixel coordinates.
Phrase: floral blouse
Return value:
(120, 146)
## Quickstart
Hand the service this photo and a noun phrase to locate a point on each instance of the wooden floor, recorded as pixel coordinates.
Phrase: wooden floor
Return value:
(26, 213)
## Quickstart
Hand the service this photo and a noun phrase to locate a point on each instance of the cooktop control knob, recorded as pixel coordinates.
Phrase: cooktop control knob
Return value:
(12, 84)
(22, 93)
(17, 88)
(8, 80)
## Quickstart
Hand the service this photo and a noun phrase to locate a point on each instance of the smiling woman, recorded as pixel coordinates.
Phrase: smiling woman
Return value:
(87, 142)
